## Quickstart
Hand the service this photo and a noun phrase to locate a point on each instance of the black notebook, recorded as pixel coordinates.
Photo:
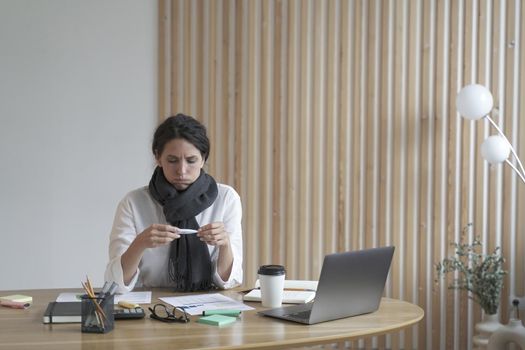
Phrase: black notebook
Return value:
(70, 312)
(63, 312)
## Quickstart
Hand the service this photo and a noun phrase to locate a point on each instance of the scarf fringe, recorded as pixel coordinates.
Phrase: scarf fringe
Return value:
(183, 283)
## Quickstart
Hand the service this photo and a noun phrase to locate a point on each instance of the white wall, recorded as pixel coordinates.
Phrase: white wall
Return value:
(77, 111)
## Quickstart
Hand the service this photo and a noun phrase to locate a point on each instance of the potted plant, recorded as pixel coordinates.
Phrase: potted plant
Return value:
(479, 274)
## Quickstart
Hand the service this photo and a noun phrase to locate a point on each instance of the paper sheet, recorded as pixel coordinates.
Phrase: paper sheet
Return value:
(196, 304)
(132, 297)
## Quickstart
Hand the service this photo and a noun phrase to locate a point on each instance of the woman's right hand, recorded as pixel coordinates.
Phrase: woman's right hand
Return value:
(154, 236)
(157, 235)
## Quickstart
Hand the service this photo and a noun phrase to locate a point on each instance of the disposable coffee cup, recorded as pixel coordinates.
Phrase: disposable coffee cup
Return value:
(271, 281)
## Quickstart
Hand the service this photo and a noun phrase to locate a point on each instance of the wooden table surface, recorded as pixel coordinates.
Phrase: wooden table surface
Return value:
(23, 329)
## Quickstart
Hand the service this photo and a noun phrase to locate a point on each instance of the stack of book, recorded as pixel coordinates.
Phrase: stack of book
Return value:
(295, 292)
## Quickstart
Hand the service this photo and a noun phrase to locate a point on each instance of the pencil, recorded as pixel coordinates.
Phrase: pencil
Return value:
(97, 316)
(299, 289)
(91, 294)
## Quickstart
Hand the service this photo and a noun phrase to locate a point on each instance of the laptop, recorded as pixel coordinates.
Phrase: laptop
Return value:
(350, 284)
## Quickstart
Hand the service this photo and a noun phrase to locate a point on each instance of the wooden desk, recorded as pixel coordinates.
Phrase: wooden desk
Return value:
(23, 329)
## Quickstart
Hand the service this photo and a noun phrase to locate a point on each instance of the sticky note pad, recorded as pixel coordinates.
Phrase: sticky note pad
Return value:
(217, 320)
(18, 298)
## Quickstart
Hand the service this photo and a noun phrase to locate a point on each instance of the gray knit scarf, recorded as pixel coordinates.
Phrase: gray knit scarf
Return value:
(190, 263)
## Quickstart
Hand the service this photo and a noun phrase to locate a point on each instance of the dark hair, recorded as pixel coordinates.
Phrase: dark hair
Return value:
(184, 127)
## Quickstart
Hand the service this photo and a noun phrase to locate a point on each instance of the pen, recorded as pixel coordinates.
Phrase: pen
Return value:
(197, 305)
(300, 289)
(290, 289)
(105, 288)
(224, 312)
(191, 305)
(14, 304)
(113, 288)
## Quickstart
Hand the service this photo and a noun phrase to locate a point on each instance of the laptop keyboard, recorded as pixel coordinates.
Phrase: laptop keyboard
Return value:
(302, 315)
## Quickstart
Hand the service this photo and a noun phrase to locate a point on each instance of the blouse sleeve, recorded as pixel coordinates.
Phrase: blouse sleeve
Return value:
(233, 224)
(122, 234)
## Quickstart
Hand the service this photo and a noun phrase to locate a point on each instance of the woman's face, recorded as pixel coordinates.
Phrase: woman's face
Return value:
(181, 163)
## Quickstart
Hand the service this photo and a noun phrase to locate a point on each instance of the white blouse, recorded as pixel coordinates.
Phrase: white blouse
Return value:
(138, 210)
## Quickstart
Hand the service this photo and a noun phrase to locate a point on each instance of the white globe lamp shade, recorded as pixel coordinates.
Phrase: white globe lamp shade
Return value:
(474, 101)
(495, 149)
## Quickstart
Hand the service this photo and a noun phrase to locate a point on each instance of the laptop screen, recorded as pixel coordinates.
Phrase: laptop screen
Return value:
(351, 283)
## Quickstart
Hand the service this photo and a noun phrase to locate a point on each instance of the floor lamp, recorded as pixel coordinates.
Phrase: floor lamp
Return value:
(475, 102)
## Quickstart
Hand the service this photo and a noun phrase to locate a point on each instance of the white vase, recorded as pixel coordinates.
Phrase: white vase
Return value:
(512, 333)
(485, 328)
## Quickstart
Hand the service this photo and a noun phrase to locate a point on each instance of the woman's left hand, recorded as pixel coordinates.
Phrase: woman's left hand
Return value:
(214, 234)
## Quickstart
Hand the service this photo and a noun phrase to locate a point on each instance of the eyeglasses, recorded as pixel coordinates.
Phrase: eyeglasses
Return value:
(161, 313)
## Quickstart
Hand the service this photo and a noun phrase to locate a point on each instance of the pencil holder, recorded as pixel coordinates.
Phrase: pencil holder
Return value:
(97, 314)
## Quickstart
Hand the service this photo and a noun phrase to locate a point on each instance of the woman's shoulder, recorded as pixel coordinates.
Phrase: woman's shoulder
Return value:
(226, 189)
(227, 192)
(138, 195)
(140, 201)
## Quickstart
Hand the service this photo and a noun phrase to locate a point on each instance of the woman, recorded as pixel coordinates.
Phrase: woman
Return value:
(147, 247)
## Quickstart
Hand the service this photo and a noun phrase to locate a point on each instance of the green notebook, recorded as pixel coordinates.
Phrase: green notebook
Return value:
(217, 320)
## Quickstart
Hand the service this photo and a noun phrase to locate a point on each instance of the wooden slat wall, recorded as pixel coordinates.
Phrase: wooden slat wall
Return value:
(335, 121)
